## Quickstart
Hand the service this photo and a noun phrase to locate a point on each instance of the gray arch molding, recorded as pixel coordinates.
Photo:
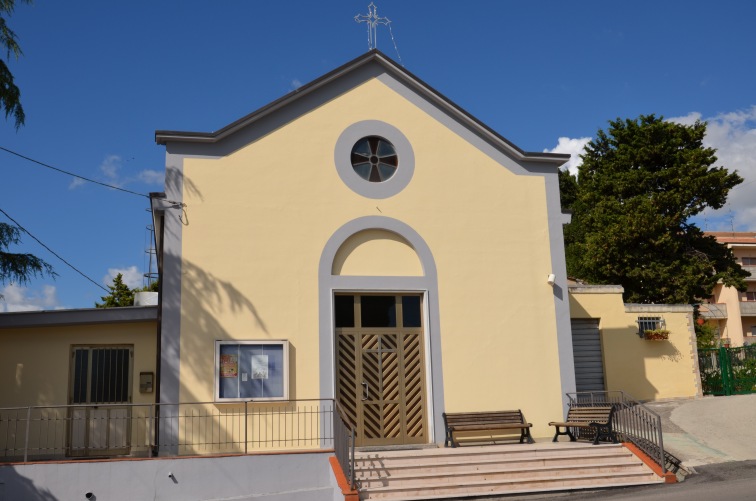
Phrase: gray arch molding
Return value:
(428, 284)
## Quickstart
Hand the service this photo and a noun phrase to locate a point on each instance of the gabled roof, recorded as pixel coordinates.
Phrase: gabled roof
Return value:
(387, 65)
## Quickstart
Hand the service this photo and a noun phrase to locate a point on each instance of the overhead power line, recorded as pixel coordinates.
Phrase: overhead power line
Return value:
(53, 252)
(72, 174)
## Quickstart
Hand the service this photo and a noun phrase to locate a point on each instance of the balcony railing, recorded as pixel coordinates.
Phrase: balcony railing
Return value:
(748, 308)
(713, 310)
(750, 269)
(199, 428)
(632, 422)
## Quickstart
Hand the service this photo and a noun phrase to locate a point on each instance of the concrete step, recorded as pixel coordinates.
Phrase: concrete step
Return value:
(503, 487)
(515, 453)
(431, 476)
(377, 465)
(495, 469)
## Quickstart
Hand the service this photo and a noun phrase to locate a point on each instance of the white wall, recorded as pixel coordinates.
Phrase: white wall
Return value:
(277, 477)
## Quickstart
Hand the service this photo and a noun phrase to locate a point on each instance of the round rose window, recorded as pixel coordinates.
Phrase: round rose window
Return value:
(374, 159)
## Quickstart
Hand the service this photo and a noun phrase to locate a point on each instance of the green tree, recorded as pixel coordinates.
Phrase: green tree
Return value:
(707, 336)
(10, 95)
(638, 187)
(567, 189)
(18, 268)
(120, 295)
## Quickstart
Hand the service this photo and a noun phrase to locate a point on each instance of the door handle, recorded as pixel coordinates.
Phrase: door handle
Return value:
(367, 391)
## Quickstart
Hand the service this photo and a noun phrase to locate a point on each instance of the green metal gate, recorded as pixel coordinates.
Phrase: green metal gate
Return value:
(728, 371)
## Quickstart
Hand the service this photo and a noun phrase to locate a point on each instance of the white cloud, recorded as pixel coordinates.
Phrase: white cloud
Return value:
(733, 135)
(18, 298)
(150, 176)
(76, 182)
(110, 167)
(295, 84)
(131, 276)
(575, 148)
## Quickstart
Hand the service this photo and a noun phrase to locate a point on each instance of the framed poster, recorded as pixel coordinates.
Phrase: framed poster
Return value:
(251, 370)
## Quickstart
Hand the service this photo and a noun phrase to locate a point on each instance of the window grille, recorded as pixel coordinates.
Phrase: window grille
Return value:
(649, 324)
(101, 375)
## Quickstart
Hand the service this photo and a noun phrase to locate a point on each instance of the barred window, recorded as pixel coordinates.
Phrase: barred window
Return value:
(649, 324)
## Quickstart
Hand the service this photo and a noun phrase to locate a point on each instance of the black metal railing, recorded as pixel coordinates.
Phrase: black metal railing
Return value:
(343, 438)
(632, 422)
(145, 430)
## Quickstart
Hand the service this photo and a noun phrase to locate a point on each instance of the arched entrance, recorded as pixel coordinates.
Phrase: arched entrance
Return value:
(380, 346)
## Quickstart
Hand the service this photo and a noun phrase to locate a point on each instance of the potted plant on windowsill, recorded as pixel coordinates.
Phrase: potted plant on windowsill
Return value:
(656, 334)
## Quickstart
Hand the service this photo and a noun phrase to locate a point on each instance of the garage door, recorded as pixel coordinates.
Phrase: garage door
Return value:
(589, 362)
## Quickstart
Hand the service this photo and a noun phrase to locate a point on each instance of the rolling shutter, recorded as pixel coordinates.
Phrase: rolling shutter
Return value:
(586, 348)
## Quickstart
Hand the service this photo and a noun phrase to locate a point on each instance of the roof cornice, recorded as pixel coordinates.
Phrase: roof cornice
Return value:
(48, 318)
(396, 71)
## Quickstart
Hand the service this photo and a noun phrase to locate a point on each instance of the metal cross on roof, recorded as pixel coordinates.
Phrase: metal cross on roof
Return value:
(372, 20)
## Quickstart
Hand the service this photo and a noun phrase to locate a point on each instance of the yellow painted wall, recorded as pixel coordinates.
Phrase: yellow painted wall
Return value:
(258, 221)
(376, 252)
(647, 370)
(35, 362)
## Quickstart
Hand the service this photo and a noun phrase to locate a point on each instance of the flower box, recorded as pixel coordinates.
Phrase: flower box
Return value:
(656, 335)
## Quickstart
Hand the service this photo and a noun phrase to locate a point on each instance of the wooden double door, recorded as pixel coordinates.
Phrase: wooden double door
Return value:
(380, 367)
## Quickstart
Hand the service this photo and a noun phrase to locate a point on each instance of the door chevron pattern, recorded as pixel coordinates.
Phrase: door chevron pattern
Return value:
(346, 363)
(381, 382)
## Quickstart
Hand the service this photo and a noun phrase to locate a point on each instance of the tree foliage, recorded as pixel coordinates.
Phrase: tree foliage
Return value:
(638, 187)
(567, 189)
(707, 336)
(18, 268)
(120, 295)
(10, 95)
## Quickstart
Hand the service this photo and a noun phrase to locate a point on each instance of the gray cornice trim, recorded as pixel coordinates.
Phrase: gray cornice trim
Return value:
(396, 71)
(596, 289)
(49, 318)
(658, 308)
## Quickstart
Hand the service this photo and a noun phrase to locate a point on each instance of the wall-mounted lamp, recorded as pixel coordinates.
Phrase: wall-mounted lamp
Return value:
(551, 279)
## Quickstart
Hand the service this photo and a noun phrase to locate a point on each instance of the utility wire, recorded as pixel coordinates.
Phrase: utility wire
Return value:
(52, 251)
(72, 174)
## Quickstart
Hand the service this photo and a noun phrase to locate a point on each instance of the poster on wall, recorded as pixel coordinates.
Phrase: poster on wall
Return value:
(251, 370)
(259, 366)
(229, 365)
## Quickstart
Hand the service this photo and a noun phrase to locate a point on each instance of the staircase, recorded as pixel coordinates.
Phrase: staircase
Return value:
(497, 469)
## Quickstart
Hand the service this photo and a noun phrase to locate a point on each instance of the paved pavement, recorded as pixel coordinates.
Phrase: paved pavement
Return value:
(709, 430)
(706, 434)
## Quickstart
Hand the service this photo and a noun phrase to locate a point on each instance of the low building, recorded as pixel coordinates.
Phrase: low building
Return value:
(612, 352)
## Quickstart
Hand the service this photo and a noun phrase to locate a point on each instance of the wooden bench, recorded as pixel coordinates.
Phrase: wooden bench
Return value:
(485, 421)
(598, 418)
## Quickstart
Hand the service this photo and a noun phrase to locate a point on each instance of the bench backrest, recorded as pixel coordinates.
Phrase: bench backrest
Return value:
(494, 417)
(591, 414)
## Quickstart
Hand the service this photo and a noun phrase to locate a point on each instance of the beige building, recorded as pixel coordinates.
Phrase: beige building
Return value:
(364, 239)
(360, 240)
(731, 311)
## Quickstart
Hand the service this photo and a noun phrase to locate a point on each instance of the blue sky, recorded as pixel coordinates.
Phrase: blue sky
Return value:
(98, 78)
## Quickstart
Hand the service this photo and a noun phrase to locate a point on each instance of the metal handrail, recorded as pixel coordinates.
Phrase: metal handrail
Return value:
(42, 432)
(344, 432)
(632, 422)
